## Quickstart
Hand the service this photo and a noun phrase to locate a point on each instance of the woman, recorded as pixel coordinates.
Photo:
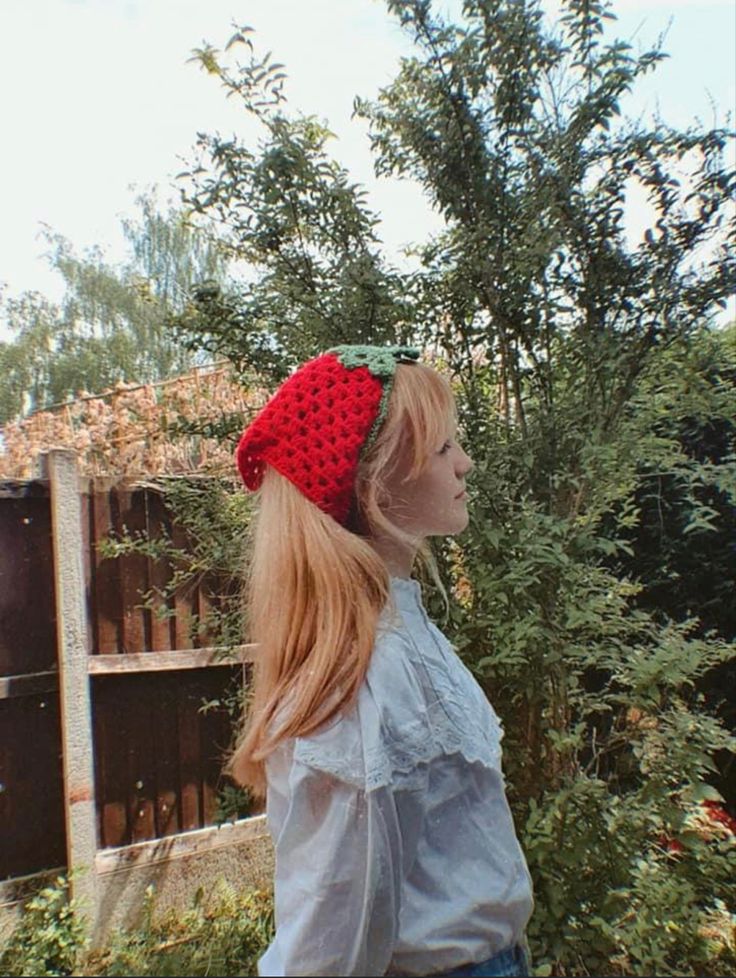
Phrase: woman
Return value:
(379, 754)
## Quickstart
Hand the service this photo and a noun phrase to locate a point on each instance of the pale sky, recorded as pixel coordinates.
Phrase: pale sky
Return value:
(99, 102)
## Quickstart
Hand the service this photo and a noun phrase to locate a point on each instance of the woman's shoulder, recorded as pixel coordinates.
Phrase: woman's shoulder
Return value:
(358, 744)
(402, 720)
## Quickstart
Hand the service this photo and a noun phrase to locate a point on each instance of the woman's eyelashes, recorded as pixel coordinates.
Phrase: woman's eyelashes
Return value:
(455, 439)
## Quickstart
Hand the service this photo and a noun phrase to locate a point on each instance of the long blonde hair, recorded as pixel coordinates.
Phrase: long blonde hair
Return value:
(315, 589)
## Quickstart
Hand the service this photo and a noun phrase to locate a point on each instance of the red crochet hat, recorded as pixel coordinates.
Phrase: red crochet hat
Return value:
(317, 424)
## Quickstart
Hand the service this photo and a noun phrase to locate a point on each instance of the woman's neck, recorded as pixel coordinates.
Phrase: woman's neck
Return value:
(398, 557)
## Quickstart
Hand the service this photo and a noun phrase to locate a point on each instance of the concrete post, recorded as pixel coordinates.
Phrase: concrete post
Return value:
(75, 704)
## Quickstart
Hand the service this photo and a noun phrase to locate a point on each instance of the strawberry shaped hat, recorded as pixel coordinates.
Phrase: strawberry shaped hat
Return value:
(317, 425)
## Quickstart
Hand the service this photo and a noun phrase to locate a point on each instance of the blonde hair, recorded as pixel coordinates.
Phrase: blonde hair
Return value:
(315, 589)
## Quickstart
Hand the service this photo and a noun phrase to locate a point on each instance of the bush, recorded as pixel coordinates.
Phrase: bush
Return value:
(50, 937)
(224, 937)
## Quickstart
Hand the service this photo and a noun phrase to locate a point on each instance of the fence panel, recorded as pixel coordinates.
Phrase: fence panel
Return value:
(32, 835)
(119, 622)
(158, 757)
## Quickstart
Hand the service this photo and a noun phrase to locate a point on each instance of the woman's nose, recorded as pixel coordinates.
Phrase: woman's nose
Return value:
(465, 463)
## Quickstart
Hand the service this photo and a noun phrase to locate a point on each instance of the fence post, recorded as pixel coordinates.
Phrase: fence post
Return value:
(74, 692)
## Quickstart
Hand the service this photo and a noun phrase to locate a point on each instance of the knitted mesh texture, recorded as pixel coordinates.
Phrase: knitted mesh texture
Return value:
(317, 423)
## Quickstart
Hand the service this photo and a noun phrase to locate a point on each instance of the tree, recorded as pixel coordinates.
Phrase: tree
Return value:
(561, 337)
(681, 547)
(292, 215)
(113, 323)
(684, 507)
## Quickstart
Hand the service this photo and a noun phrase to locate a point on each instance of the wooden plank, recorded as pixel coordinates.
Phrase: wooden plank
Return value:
(205, 607)
(166, 755)
(189, 756)
(143, 699)
(216, 737)
(184, 846)
(212, 750)
(111, 720)
(158, 526)
(27, 634)
(105, 575)
(132, 754)
(133, 573)
(105, 665)
(22, 488)
(185, 600)
(32, 834)
(32, 684)
(87, 530)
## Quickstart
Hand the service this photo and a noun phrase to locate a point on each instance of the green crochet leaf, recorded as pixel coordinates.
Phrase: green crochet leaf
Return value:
(381, 361)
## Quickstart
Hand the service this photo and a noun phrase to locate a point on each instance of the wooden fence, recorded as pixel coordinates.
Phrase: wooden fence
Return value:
(157, 757)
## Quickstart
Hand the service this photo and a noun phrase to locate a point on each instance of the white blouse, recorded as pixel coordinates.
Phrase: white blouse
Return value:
(395, 847)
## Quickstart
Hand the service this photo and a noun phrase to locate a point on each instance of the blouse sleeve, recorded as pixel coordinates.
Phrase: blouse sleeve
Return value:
(338, 857)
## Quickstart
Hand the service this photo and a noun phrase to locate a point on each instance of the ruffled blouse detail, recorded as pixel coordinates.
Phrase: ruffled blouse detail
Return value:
(418, 702)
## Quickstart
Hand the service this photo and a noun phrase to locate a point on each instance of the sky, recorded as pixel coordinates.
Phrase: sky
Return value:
(99, 101)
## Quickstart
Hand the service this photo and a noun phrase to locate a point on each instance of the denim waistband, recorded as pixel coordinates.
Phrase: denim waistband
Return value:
(512, 961)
